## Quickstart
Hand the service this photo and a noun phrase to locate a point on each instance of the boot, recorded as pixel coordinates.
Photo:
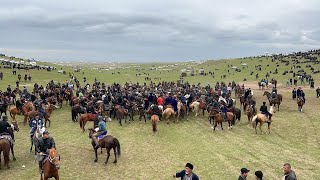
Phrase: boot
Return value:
(40, 168)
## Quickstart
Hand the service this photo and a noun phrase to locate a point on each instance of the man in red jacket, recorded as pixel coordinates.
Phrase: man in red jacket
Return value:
(160, 101)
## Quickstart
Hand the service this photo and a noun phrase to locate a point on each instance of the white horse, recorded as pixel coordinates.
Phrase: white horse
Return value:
(195, 105)
(37, 134)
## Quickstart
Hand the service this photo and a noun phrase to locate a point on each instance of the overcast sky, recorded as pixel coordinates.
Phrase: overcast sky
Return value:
(152, 30)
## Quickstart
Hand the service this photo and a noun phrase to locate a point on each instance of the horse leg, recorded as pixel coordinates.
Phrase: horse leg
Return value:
(108, 152)
(260, 127)
(96, 153)
(0, 160)
(202, 112)
(269, 123)
(115, 155)
(12, 152)
(221, 126)
(215, 125)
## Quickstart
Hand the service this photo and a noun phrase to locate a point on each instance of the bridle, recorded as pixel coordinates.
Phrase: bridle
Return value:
(51, 159)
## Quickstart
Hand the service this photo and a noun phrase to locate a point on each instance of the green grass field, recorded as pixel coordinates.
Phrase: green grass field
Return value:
(216, 155)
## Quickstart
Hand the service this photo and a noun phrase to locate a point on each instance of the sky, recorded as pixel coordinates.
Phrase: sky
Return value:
(156, 30)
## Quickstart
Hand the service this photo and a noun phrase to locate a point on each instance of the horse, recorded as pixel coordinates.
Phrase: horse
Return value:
(261, 119)
(300, 103)
(236, 112)
(168, 113)
(218, 118)
(77, 110)
(242, 101)
(203, 106)
(6, 144)
(35, 137)
(84, 119)
(14, 127)
(51, 165)
(249, 112)
(195, 105)
(273, 102)
(109, 142)
(182, 110)
(122, 113)
(154, 121)
(5, 148)
(48, 109)
(13, 110)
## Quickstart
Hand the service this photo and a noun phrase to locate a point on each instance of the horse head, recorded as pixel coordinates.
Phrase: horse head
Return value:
(54, 157)
(272, 110)
(15, 126)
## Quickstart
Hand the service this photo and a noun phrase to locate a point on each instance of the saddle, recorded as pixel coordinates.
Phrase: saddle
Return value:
(102, 135)
(7, 137)
(91, 115)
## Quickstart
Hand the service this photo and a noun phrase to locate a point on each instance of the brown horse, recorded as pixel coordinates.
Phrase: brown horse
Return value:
(300, 103)
(122, 113)
(203, 106)
(25, 108)
(154, 120)
(273, 101)
(5, 148)
(84, 119)
(109, 142)
(182, 110)
(237, 114)
(242, 101)
(218, 118)
(249, 112)
(51, 165)
(168, 113)
(261, 119)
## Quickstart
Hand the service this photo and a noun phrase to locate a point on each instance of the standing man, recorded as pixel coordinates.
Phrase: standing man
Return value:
(243, 174)
(186, 174)
(288, 173)
(294, 93)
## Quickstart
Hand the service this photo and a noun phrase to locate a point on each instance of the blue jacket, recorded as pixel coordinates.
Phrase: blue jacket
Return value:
(183, 173)
(174, 104)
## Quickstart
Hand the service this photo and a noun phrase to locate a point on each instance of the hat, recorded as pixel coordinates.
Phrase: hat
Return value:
(244, 170)
(189, 165)
(259, 174)
(45, 132)
(264, 102)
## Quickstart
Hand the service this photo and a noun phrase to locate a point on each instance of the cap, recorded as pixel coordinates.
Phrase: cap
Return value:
(244, 170)
(45, 132)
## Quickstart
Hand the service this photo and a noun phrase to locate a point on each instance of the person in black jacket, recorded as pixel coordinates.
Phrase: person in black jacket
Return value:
(187, 173)
(44, 143)
(264, 110)
(244, 174)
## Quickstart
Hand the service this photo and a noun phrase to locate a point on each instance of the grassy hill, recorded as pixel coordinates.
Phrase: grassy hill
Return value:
(216, 155)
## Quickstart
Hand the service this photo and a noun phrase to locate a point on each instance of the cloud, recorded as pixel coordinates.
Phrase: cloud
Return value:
(163, 30)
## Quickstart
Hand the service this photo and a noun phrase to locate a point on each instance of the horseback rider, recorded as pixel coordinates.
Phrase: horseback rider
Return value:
(43, 144)
(224, 110)
(264, 110)
(155, 110)
(40, 107)
(34, 123)
(4, 125)
(101, 131)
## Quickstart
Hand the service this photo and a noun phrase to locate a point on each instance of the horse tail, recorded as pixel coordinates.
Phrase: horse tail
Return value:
(81, 122)
(154, 123)
(117, 143)
(254, 120)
